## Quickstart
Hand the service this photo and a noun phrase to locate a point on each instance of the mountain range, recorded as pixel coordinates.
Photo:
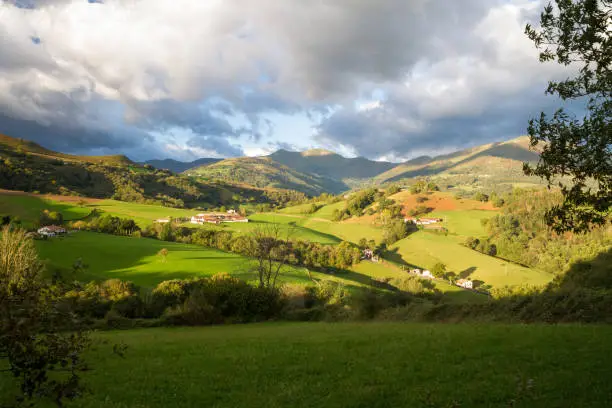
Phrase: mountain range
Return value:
(319, 171)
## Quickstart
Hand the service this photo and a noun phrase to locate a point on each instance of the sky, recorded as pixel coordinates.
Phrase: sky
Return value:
(183, 79)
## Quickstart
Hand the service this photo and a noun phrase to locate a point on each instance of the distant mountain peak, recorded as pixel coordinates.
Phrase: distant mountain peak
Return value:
(318, 152)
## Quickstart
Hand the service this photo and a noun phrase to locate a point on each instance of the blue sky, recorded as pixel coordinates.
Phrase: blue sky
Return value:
(384, 79)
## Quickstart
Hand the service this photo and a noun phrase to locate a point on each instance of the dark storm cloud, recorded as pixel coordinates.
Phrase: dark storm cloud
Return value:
(109, 77)
(81, 140)
(387, 132)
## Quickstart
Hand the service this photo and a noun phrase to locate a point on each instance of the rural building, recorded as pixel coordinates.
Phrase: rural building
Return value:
(367, 254)
(423, 221)
(51, 231)
(217, 218)
(465, 283)
(422, 273)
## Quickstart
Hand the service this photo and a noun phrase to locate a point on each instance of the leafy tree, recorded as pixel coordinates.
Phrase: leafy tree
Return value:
(481, 197)
(439, 270)
(395, 230)
(576, 33)
(392, 189)
(420, 210)
(419, 187)
(271, 251)
(472, 242)
(163, 253)
(166, 233)
(45, 361)
(50, 218)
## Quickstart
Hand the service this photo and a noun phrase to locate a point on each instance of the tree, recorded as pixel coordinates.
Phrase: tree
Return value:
(439, 270)
(163, 253)
(271, 250)
(50, 218)
(45, 360)
(576, 33)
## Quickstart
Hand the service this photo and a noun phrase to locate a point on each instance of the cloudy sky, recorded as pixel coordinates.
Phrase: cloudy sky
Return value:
(384, 79)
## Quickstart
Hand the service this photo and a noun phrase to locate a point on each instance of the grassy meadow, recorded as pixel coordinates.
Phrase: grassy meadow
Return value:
(424, 249)
(143, 214)
(137, 260)
(29, 207)
(292, 226)
(352, 365)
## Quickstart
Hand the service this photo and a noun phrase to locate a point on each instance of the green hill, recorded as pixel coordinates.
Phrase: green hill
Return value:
(263, 172)
(179, 166)
(27, 166)
(8, 143)
(499, 161)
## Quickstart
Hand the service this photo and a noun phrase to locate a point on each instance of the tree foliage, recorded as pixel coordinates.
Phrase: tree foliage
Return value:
(45, 362)
(576, 33)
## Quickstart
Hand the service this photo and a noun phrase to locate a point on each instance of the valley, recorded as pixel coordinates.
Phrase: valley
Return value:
(382, 254)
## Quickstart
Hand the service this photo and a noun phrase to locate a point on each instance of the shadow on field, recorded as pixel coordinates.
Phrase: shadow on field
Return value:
(467, 272)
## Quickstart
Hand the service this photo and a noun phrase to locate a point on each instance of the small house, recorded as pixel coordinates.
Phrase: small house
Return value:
(465, 283)
(51, 231)
(367, 254)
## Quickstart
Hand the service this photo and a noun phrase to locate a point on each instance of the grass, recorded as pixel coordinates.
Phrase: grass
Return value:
(143, 214)
(301, 209)
(137, 260)
(28, 208)
(424, 249)
(351, 365)
(289, 225)
(464, 223)
(326, 211)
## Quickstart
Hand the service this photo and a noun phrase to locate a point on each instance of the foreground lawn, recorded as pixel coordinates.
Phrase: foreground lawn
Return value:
(354, 365)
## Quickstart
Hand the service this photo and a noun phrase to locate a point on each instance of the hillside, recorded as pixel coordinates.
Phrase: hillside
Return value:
(263, 172)
(28, 167)
(8, 143)
(177, 166)
(331, 165)
(501, 161)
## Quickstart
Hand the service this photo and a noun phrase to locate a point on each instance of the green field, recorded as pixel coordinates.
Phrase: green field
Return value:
(327, 211)
(28, 208)
(464, 223)
(352, 365)
(137, 260)
(143, 214)
(292, 226)
(424, 249)
(301, 209)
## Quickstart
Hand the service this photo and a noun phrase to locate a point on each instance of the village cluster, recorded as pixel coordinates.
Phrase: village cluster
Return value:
(423, 221)
(208, 218)
(369, 255)
(218, 218)
(426, 274)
